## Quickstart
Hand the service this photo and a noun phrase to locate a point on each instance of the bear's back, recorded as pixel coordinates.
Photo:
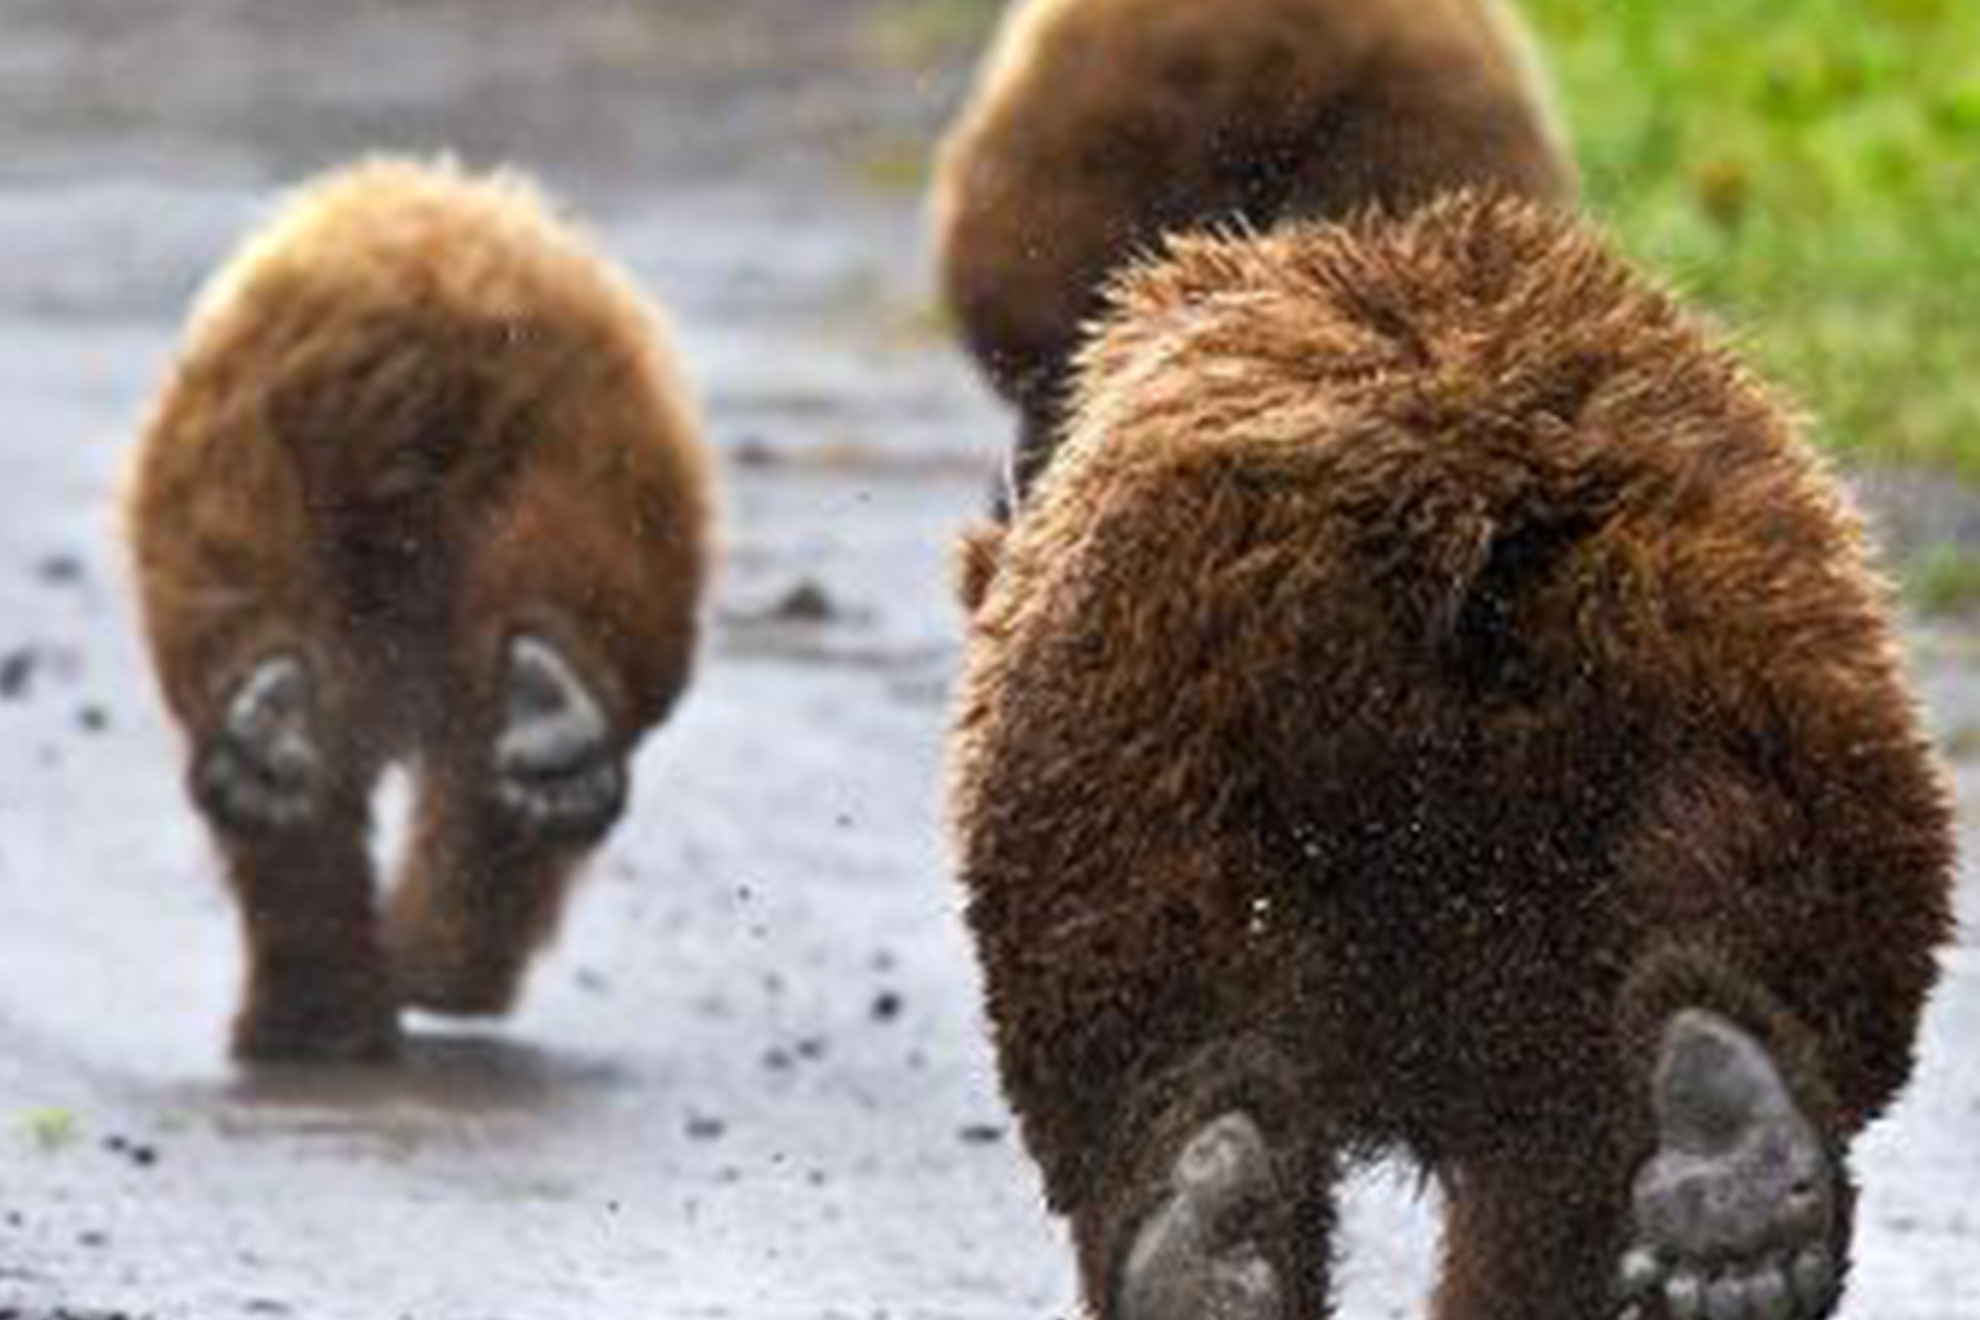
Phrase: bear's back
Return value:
(390, 237)
(397, 320)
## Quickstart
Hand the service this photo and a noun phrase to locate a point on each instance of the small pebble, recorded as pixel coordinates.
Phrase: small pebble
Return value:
(59, 570)
(807, 602)
(17, 670)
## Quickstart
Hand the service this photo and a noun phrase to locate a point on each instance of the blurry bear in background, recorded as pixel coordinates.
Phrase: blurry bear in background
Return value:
(1435, 702)
(423, 484)
(1098, 126)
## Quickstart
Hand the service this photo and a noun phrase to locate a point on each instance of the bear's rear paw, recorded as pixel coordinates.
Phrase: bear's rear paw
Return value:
(262, 771)
(558, 773)
(1199, 1256)
(1735, 1215)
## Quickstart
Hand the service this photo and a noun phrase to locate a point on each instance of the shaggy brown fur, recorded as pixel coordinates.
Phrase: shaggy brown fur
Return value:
(414, 420)
(1099, 125)
(1428, 666)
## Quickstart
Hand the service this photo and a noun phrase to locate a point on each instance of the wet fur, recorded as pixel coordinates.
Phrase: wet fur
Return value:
(1429, 664)
(414, 417)
(1098, 126)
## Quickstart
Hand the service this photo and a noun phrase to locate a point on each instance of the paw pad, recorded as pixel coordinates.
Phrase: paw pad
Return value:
(557, 771)
(1198, 1254)
(1734, 1215)
(262, 771)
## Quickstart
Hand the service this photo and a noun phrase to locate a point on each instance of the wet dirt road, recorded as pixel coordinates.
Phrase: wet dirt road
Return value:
(750, 1080)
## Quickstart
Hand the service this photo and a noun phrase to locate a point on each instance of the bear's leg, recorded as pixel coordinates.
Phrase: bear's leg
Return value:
(317, 984)
(290, 809)
(1736, 1213)
(480, 894)
(1737, 1186)
(1531, 1231)
(1221, 1208)
(571, 630)
(505, 817)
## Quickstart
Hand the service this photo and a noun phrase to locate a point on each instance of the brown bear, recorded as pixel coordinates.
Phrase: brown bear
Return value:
(423, 484)
(1434, 702)
(1097, 126)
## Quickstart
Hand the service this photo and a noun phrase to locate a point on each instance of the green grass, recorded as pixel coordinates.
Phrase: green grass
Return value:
(51, 1129)
(1944, 581)
(1963, 743)
(892, 166)
(911, 33)
(1807, 170)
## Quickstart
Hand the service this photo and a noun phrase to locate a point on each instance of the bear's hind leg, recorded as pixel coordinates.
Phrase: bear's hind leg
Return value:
(1729, 1206)
(317, 986)
(1221, 1206)
(480, 894)
(506, 815)
(1531, 1229)
(288, 804)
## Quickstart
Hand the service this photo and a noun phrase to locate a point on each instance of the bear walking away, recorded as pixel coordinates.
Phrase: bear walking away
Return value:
(422, 484)
(1098, 126)
(1435, 702)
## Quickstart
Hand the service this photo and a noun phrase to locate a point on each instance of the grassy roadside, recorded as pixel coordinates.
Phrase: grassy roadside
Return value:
(1808, 171)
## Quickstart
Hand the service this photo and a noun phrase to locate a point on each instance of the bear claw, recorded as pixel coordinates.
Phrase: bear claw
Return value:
(1733, 1216)
(1197, 1256)
(557, 772)
(262, 770)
